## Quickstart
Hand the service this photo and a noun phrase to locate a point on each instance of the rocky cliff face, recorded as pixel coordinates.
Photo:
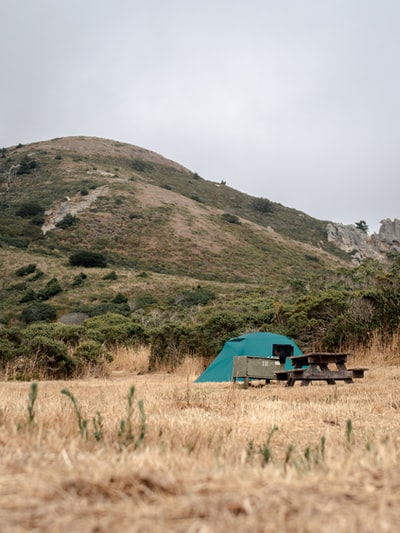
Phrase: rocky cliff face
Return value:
(363, 246)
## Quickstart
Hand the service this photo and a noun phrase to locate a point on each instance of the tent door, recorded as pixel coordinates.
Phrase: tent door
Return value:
(282, 351)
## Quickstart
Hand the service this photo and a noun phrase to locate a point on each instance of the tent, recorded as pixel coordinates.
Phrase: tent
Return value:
(259, 344)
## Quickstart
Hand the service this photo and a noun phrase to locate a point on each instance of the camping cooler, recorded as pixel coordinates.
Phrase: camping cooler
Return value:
(250, 367)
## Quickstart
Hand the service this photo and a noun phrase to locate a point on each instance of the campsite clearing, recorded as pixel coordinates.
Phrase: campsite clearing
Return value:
(214, 457)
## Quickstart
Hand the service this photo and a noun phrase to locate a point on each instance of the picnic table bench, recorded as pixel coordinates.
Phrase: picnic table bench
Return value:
(315, 367)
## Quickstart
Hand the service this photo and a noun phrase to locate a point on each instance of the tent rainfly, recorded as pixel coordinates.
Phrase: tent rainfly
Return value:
(259, 344)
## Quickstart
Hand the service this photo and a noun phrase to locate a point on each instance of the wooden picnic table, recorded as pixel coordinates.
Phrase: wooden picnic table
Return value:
(315, 367)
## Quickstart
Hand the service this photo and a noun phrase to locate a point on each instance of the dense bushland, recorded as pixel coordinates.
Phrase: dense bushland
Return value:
(365, 301)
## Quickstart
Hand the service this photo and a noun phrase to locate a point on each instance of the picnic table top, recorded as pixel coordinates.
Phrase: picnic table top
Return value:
(322, 357)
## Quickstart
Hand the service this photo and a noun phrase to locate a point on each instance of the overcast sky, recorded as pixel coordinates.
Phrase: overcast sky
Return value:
(297, 101)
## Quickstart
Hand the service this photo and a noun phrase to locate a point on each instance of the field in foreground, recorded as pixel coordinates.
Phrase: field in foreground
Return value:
(213, 458)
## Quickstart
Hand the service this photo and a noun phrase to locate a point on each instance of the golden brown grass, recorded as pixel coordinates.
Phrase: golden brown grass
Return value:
(215, 457)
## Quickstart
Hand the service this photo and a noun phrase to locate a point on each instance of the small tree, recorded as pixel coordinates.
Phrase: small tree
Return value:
(362, 225)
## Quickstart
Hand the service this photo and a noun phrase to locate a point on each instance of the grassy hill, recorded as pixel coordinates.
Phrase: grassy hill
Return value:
(161, 228)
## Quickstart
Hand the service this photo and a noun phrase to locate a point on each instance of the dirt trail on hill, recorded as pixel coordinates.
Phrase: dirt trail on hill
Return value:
(71, 206)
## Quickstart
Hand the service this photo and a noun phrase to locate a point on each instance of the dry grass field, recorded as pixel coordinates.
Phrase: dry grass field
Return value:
(214, 457)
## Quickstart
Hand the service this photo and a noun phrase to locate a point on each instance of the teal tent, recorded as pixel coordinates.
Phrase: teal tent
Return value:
(259, 344)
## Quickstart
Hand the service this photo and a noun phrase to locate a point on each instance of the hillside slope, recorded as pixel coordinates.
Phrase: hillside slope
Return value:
(147, 214)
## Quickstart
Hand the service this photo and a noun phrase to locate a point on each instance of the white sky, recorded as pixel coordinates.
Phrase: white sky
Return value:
(297, 101)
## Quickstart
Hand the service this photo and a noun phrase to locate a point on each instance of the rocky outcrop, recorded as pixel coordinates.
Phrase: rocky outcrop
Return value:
(363, 246)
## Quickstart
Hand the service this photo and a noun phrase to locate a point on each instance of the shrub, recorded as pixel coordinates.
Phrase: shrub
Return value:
(38, 220)
(68, 221)
(29, 209)
(232, 219)
(88, 259)
(29, 296)
(196, 198)
(51, 289)
(17, 286)
(362, 225)
(25, 270)
(52, 356)
(197, 296)
(263, 205)
(91, 351)
(140, 166)
(68, 334)
(79, 279)
(145, 300)
(169, 345)
(39, 274)
(111, 276)
(84, 192)
(8, 351)
(120, 299)
(38, 312)
(27, 165)
(104, 308)
(112, 329)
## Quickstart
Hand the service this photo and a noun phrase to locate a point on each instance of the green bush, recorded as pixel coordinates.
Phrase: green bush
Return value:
(114, 329)
(91, 351)
(38, 312)
(29, 209)
(111, 276)
(103, 308)
(28, 296)
(51, 289)
(169, 345)
(232, 219)
(140, 165)
(263, 205)
(52, 357)
(79, 279)
(120, 299)
(145, 300)
(27, 165)
(197, 296)
(88, 259)
(68, 221)
(8, 351)
(25, 270)
(38, 275)
(68, 334)
(17, 286)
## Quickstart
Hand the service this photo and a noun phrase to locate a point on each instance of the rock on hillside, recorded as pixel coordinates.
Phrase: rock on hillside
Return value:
(363, 246)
